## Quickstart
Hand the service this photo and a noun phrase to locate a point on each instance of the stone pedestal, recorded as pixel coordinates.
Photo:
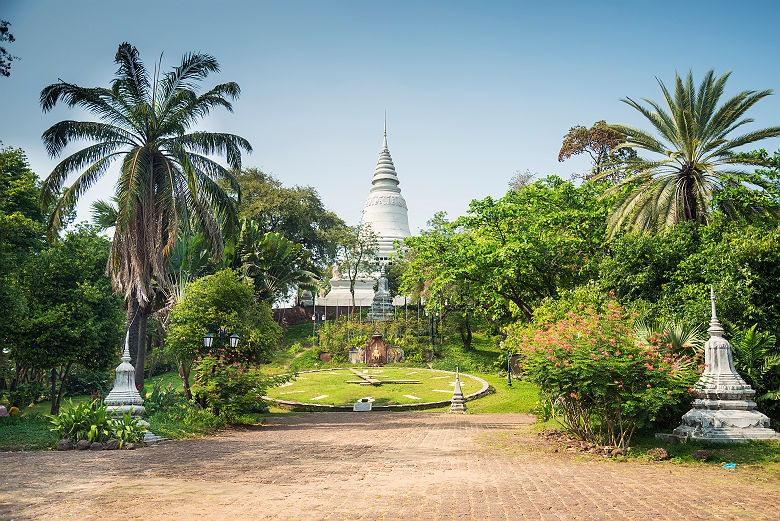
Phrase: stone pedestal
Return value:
(725, 410)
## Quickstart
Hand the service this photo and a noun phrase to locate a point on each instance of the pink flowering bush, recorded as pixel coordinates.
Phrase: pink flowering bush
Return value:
(229, 388)
(602, 381)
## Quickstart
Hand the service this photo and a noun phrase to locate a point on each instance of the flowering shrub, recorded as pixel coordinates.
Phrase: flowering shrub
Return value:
(603, 382)
(229, 388)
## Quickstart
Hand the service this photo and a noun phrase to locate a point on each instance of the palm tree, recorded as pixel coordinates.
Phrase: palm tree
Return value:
(697, 157)
(272, 264)
(165, 175)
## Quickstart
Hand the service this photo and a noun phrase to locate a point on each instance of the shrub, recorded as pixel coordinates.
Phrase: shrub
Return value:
(82, 381)
(591, 367)
(90, 421)
(162, 398)
(127, 429)
(27, 393)
(229, 388)
(85, 421)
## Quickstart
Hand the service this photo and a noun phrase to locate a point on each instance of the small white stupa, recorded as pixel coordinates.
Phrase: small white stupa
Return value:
(125, 397)
(458, 403)
(725, 410)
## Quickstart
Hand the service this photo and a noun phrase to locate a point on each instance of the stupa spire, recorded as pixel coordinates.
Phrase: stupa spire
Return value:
(715, 329)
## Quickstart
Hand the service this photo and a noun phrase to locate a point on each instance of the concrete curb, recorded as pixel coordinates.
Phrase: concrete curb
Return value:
(302, 406)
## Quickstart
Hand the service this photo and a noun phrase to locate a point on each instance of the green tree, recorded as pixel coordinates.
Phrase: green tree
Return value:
(600, 142)
(21, 235)
(297, 213)
(695, 155)
(357, 253)
(220, 303)
(73, 317)
(273, 265)
(166, 175)
(511, 253)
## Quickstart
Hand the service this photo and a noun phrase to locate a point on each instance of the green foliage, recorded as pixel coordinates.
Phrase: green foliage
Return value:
(296, 213)
(83, 421)
(127, 429)
(757, 360)
(694, 158)
(26, 394)
(669, 274)
(184, 419)
(90, 421)
(230, 388)
(86, 382)
(222, 301)
(162, 397)
(73, 316)
(21, 233)
(605, 383)
(506, 255)
(273, 265)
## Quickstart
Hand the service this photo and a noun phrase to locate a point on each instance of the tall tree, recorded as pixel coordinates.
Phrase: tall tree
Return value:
(506, 255)
(599, 142)
(695, 154)
(357, 257)
(165, 172)
(295, 212)
(73, 317)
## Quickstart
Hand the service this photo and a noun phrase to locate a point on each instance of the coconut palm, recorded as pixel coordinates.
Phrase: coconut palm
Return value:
(165, 174)
(695, 155)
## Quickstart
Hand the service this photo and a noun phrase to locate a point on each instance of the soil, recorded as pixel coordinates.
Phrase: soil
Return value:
(373, 466)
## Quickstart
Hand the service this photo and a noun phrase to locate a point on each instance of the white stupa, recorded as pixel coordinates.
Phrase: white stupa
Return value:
(385, 208)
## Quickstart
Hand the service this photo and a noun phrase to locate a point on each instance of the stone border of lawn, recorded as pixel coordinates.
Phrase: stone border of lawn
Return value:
(300, 406)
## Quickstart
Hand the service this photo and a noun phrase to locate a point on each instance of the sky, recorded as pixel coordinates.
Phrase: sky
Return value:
(473, 91)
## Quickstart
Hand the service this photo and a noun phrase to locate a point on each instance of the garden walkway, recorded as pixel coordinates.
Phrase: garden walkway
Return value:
(372, 466)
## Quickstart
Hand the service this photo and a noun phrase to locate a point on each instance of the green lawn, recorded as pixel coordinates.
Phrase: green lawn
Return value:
(331, 387)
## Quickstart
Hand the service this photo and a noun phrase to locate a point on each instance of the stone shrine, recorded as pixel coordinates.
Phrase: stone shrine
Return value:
(125, 397)
(375, 352)
(725, 410)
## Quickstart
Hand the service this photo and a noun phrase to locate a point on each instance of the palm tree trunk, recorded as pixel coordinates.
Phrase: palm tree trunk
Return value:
(132, 326)
(140, 359)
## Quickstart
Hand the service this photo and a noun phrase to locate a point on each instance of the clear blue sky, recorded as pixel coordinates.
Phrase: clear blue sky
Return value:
(474, 91)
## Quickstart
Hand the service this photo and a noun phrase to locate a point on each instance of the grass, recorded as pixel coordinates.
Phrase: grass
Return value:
(764, 453)
(29, 431)
(332, 386)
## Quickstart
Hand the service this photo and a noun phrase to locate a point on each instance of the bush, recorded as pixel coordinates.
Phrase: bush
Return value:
(27, 394)
(90, 421)
(591, 367)
(83, 381)
(85, 421)
(162, 398)
(221, 300)
(229, 388)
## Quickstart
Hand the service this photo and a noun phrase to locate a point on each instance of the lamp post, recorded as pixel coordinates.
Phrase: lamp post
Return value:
(208, 339)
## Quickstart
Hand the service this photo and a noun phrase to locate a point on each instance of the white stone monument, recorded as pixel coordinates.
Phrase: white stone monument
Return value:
(385, 208)
(725, 410)
(458, 403)
(124, 396)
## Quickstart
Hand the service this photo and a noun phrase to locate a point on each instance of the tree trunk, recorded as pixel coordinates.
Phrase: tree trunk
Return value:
(140, 359)
(132, 327)
(56, 399)
(465, 333)
(184, 374)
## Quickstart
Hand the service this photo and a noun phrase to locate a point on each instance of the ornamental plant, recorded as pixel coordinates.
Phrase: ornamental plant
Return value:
(230, 387)
(602, 381)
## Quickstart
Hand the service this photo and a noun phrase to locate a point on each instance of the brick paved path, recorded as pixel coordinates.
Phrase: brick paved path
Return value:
(371, 466)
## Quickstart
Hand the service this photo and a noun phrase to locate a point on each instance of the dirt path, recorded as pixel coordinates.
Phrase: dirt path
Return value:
(371, 466)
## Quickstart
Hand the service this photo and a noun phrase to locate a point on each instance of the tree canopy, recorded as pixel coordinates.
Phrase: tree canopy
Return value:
(297, 213)
(694, 155)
